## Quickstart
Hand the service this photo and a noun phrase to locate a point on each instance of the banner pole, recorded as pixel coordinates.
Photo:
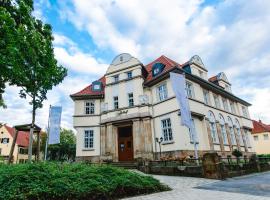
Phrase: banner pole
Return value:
(47, 140)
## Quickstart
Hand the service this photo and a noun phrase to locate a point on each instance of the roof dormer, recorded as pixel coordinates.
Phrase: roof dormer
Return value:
(196, 67)
(221, 80)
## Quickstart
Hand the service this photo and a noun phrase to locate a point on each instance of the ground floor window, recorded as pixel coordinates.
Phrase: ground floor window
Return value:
(166, 130)
(88, 139)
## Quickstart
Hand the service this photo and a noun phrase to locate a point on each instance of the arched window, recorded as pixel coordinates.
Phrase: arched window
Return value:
(230, 125)
(238, 132)
(223, 129)
(213, 128)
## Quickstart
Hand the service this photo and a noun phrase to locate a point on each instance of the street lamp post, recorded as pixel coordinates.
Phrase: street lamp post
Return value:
(159, 141)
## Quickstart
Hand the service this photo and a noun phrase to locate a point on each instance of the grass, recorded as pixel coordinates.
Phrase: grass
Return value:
(57, 181)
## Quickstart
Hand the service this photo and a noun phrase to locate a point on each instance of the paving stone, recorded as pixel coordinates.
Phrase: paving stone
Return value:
(188, 188)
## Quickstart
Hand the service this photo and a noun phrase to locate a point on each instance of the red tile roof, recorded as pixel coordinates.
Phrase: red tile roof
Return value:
(88, 90)
(260, 127)
(169, 64)
(23, 137)
(213, 79)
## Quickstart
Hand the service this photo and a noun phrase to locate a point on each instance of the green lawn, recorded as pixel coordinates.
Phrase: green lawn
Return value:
(72, 181)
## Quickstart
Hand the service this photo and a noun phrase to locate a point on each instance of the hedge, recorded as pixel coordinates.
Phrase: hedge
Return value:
(56, 181)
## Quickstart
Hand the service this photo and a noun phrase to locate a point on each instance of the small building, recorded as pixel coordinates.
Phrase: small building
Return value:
(119, 116)
(261, 137)
(20, 154)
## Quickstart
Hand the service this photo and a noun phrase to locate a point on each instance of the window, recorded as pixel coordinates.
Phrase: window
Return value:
(162, 92)
(232, 134)
(201, 73)
(89, 107)
(238, 132)
(88, 139)
(190, 90)
(191, 136)
(206, 97)
(116, 78)
(166, 130)
(232, 107)
(256, 138)
(247, 138)
(130, 100)
(23, 151)
(115, 102)
(213, 128)
(217, 102)
(129, 75)
(265, 137)
(223, 129)
(245, 112)
(5, 140)
(225, 104)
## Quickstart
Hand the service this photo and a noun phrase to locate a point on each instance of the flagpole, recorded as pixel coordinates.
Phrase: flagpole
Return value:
(47, 140)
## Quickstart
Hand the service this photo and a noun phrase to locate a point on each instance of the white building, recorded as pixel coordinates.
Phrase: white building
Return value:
(119, 116)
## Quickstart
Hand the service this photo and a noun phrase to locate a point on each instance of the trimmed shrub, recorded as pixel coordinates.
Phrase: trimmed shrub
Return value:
(57, 181)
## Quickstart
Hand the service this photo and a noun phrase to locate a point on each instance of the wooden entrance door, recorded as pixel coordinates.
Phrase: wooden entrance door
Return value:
(125, 143)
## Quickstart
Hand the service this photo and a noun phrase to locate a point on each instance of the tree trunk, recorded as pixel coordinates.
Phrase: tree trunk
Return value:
(13, 146)
(38, 145)
(32, 131)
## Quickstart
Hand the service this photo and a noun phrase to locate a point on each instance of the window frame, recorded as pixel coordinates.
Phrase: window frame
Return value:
(115, 102)
(217, 103)
(206, 97)
(167, 130)
(89, 109)
(89, 140)
(129, 75)
(190, 90)
(256, 136)
(162, 94)
(130, 99)
(265, 136)
(116, 78)
(225, 105)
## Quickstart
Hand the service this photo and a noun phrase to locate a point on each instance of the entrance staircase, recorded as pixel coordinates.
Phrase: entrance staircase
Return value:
(125, 164)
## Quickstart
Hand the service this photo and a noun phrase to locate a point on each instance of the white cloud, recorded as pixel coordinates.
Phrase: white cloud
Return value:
(230, 36)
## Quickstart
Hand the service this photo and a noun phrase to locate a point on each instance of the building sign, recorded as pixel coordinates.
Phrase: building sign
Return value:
(54, 122)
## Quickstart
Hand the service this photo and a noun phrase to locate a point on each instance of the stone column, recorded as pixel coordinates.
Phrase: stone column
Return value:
(229, 136)
(109, 140)
(115, 143)
(138, 139)
(209, 135)
(147, 132)
(237, 138)
(244, 139)
(220, 137)
(103, 140)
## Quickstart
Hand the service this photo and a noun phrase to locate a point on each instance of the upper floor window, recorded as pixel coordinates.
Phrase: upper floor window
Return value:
(223, 129)
(232, 107)
(89, 107)
(115, 102)
(201, 73)
(166, 130)
(238, 133)
(206, 97)
(225, 104)
(247, 138)
(191, 134)
(256, 138)
(88, 139)
(190, 90)
(162, 92)
(265, 137)
(116, 78)
(245, 112)
(217, 102)
(130, 100)
(213, 127)
(129, 75)
(232, 134)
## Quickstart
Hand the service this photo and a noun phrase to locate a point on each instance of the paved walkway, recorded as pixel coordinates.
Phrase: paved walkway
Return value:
(251, 187)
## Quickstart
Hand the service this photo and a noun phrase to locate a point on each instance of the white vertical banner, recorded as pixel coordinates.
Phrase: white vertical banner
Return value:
(54, 122)
(179, 87)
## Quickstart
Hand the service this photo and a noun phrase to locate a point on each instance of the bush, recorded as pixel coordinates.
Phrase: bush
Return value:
(237, 153)
(57, 181)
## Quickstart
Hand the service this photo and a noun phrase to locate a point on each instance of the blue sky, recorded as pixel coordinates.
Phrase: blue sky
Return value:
(229, 35)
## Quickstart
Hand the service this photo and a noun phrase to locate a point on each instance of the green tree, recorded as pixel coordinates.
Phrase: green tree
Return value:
(33, 66)
(66, 149)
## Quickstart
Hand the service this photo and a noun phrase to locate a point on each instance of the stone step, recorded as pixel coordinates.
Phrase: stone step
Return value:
(126, 165)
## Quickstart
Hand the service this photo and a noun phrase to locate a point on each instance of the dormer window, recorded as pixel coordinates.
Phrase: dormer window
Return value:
(157, 69)
(96, 86)
(129, 75)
